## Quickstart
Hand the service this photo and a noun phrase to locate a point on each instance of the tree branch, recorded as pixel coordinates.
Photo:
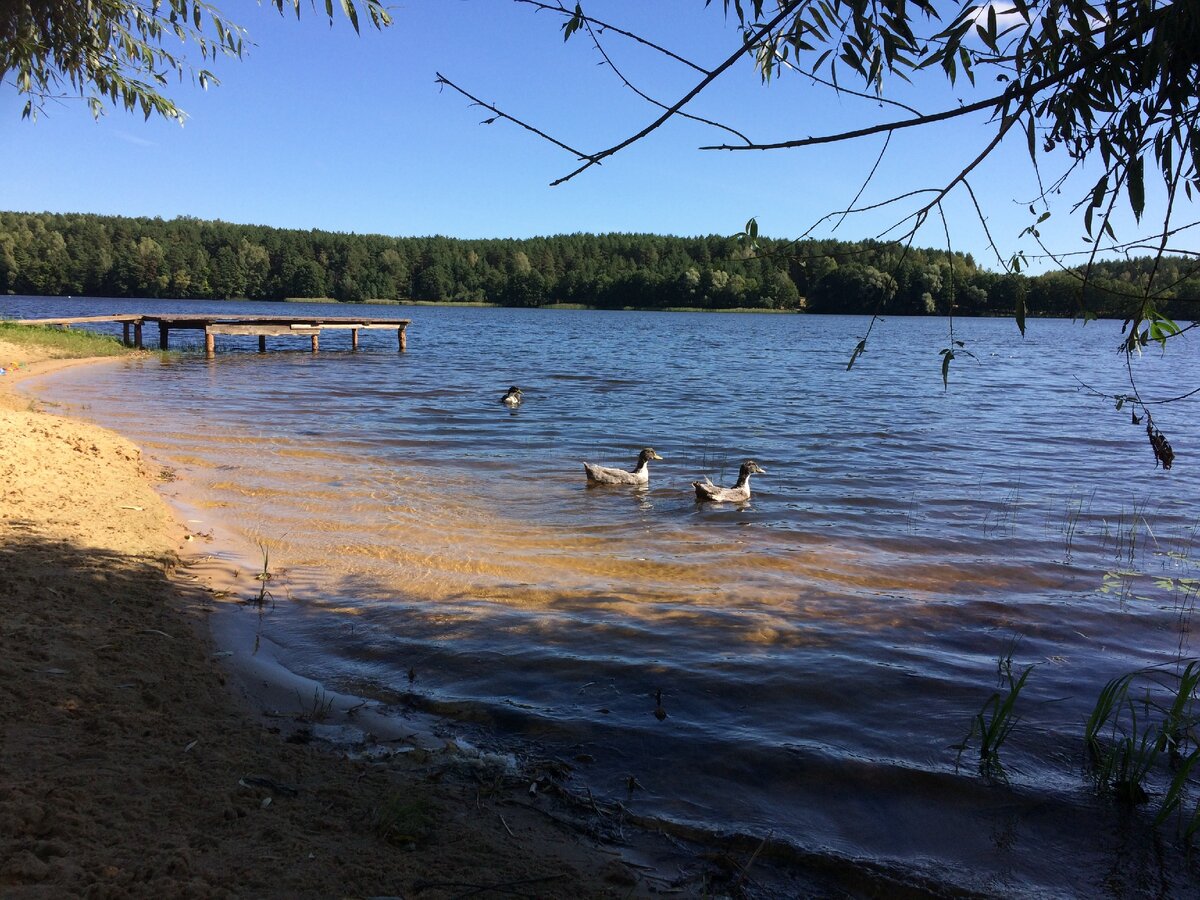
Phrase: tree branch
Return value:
(621, 31)
(644, 96)
(885, 127)
(1014, 91)
(443, 80)
(597, 158)
(920, 214)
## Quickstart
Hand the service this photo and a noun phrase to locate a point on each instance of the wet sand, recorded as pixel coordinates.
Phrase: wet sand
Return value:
(130, 768)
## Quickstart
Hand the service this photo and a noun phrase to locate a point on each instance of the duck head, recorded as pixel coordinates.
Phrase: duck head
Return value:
(646, 455)
(513, 395)
(750, 467)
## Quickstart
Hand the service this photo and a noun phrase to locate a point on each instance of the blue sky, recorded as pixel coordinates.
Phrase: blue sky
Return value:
(319, 128)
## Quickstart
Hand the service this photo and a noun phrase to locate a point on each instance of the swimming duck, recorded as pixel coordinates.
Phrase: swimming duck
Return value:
(639, 475)
(513, 397)
(706, 490)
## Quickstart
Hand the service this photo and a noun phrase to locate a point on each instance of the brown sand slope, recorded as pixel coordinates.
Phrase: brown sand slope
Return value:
(126, 770)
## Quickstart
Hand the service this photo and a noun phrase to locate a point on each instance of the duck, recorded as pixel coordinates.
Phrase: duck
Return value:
(639, 475)
(513, 397)
(740, 492)
(659, 712)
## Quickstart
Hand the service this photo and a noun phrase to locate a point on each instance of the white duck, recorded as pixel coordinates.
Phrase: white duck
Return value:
(706, 490)
(512, 398)
(639, 475)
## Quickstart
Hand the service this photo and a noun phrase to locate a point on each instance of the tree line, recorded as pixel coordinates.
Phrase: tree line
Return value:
(51, 254)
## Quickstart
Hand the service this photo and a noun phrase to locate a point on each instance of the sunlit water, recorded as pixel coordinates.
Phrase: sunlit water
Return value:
(819, 650)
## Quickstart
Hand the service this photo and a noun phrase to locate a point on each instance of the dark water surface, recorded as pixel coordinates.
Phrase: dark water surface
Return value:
(819, 650)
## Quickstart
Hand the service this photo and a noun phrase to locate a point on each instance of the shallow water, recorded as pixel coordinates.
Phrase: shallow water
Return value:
(819, 650)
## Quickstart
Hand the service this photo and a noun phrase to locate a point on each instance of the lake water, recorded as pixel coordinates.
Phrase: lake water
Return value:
(818, 650)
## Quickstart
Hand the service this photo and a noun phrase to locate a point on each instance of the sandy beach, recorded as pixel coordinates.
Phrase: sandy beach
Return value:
(128, 766)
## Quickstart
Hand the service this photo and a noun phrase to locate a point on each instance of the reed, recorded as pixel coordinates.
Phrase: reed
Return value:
(263, 577)
(1077, 507)
(1004, 663)
(1126, 536)
(1185, 591)
(1105, 711)
(1132, 734)
(317, 709)
(1003, 521)
(1120, 582)
(996, 719)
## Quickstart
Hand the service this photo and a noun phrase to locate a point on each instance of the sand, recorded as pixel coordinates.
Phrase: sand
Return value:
(128, 767)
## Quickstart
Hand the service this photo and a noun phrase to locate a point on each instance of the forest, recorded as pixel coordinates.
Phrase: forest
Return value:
(51, 254)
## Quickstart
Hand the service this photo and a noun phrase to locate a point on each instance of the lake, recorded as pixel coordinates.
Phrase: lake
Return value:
(819, 651)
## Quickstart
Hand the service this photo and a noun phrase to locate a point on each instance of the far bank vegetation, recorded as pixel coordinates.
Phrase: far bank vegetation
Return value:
(105, 256)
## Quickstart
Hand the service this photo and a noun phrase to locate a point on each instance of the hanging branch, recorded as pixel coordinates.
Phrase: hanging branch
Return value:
(608, 60)
(500, 114)
(605, 26)
(598, 158)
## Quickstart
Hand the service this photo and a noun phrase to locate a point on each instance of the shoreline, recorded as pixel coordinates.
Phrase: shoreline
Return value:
(130, 766)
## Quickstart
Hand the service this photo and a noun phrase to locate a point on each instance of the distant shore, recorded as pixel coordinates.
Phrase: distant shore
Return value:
(128, 767)
(480, 304)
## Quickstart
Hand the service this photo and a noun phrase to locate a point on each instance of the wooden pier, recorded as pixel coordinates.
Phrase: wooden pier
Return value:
(260, 326)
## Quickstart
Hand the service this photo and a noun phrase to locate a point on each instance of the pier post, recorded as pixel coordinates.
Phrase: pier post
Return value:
(316, 343)
(402, 337)
(162, 335)
(210, 349)
(262, 343)
(125, 333)
(353, 338)
(137, 334)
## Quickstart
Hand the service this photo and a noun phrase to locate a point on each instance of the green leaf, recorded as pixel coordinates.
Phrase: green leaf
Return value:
(947, 354)
(351, 13)
(574, 23)
(1161, 328)
(965, 58)
(1136, 186)
(1020, 313)
(749, 236)
(858, 351)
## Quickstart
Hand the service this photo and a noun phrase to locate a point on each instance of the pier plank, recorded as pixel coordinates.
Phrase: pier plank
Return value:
(264, 330)
(81, 320)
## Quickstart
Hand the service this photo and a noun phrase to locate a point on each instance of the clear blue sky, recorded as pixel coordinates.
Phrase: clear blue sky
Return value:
(319, 128)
